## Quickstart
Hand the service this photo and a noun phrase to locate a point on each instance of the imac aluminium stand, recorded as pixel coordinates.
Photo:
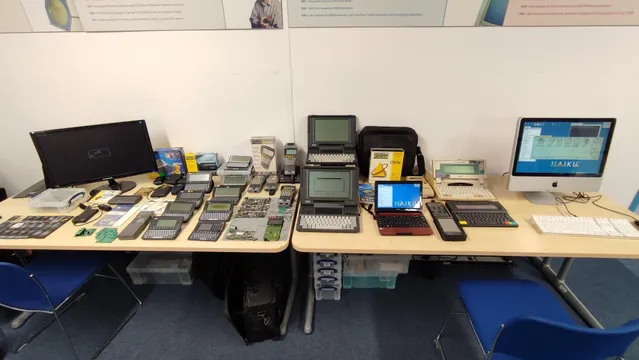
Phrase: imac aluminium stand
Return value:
(540, 197)
(123, 186)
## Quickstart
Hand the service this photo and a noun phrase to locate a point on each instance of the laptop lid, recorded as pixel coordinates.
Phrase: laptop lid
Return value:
(398, 196)
(332, 130)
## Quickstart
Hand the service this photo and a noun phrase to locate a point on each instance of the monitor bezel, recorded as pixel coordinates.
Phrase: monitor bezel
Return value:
(387, 210)
(352, 132)
(45, 164)
(519, 136)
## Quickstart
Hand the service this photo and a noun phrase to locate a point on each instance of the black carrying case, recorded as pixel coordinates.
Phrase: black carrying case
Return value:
(390, 137)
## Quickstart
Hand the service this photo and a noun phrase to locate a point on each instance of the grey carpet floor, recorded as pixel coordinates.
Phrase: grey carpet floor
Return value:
(187, 322)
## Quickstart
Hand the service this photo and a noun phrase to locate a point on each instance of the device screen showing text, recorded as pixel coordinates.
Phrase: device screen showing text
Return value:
(329, 184)
(562, 147)
(399, 196)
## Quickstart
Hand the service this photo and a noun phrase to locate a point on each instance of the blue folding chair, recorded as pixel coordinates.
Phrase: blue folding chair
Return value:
(47, 285)
(523, 320)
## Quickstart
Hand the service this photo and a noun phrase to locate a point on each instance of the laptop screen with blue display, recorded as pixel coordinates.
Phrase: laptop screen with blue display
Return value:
(398, 196)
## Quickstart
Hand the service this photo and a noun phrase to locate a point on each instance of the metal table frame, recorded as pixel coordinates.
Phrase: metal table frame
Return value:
(557, 280)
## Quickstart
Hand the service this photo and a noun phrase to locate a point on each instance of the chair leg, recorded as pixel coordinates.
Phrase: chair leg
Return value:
(125, 285)
(126, 319)
(57, 319)
(438, 344)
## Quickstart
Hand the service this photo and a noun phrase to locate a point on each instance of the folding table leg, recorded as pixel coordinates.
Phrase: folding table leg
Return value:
(310, 299)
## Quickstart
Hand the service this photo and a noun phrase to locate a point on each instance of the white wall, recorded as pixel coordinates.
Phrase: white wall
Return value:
(206, 91)
(462, 89)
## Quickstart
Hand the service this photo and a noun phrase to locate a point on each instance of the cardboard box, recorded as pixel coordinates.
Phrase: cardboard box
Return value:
(264, 152)
(386, 164)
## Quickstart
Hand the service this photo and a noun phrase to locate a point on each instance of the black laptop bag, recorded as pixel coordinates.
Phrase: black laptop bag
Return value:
(390, 137)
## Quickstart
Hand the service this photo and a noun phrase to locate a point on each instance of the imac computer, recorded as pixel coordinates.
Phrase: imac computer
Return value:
(81, 155)
(559, 155)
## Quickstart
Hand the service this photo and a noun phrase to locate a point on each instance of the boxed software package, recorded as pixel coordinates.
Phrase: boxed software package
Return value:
(264, 154)
(385, 164)
(170, 161)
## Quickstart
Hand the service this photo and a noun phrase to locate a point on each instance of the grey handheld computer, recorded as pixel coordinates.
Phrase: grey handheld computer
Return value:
(216, 211)
(181, 209)
(199, 181)
(163, 228)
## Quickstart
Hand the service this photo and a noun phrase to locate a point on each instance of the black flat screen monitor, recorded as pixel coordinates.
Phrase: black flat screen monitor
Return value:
(86, 154)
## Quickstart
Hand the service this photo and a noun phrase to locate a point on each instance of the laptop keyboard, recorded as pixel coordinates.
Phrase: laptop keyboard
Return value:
(331, 158)
(391, 221)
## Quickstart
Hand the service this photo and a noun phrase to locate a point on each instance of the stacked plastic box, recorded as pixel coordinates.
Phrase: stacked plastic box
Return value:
(327, 274)
(373, 271)
(161, 268)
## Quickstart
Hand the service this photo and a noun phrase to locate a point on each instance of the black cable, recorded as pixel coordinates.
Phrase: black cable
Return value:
(368, 209)
(583, 198)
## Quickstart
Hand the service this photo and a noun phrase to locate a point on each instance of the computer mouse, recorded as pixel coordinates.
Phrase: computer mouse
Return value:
(158, 180)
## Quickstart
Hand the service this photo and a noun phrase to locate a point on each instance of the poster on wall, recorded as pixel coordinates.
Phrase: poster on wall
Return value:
(138, 15)
(404, 13)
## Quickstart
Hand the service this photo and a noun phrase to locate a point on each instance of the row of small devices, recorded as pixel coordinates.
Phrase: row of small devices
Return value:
(217, 210)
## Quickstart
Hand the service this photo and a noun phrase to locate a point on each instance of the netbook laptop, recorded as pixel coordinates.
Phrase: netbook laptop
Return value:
(332, 140)
(398, 208)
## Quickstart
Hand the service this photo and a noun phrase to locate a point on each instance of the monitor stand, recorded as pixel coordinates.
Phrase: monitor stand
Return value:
(540, 197)
(123, 186)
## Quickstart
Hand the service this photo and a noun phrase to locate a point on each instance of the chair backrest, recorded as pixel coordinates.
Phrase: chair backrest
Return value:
(534, 338)
(19, 291)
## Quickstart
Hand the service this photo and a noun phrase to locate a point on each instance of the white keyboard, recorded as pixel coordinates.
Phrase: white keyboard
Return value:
(464, 193)
(331, 158)
(328, 223)
(586, 226)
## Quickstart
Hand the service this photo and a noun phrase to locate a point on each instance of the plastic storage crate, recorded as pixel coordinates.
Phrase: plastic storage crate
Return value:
(369, 282)
(376, 265)
(161, 268)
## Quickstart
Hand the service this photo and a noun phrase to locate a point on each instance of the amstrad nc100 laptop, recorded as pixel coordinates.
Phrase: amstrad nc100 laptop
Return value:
(398, 208)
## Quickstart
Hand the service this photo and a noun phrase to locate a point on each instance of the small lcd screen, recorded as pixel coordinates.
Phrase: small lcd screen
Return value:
(227, 192)
(239, 158)
(332, 130)
(329, 184)
(234, 180)
(459, 169)
(399, 196)
(218, 207)
(205, 227)
(166, 223)
(198, 177)
(185, 195)
(291, 152)
(178, 206)
(267, 151)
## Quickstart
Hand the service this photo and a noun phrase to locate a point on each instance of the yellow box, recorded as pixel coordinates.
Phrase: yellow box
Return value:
(191, 162)
(386, 164)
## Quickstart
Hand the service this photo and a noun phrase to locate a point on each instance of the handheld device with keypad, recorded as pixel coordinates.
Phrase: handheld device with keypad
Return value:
(271, 183)
(287, 195)
(256, 183)
(163, 228)
(228, 192)
(135, 228)
(196, 197)
(216, 212)
(445, 223)
(207, 230)
(234, 181)
(199, 181)
(181, 209)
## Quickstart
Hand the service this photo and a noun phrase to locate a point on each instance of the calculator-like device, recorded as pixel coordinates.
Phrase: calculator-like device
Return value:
(228, 192)
(181, 209)
(199, 181)
(271, 183)
(239, 162)
(196, 197)
(256, 183)
(207, 230)
(216, 211)
(163, 228)
(287, 195)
